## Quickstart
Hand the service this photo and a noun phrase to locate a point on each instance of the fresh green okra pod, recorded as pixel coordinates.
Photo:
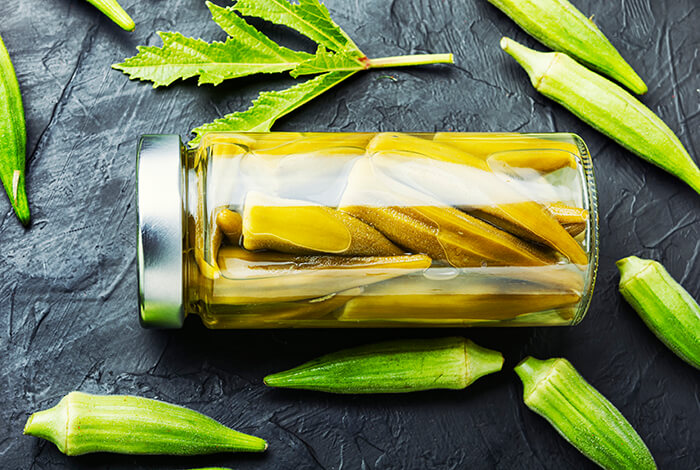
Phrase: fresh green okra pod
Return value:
(607, 107)
(114, 12)
(665, 306)
(556, 391)
(13, 137)
(394, 367)
(83, 423)
(560, 26)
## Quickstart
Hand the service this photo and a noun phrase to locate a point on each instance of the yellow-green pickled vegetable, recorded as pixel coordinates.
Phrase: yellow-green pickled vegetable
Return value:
(557, 392)
(114, 12)
(607, 107)
(560, 26)
(665, 306)
(13, 137)
(394, 367)
(83, 423)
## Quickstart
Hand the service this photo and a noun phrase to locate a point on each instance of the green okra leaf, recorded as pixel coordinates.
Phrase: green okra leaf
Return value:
(309, 17)
(394, 367)
(83, 423)
(560, 26)
(247, 51)
(606, 107)
(114, 12)
(664, 305)
(553, 389)
(270, 106)
(325, 61)
(13, 137)
(181, 57)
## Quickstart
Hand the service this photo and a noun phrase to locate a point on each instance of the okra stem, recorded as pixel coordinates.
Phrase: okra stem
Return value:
(406, 60)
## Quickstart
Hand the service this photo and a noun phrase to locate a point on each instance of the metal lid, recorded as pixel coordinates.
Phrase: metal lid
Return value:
(160, 240)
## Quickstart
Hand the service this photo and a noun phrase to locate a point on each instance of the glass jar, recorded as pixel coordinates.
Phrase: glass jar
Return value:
(282, 229)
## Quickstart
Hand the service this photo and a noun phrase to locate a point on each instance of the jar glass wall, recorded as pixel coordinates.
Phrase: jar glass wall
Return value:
(387, 229)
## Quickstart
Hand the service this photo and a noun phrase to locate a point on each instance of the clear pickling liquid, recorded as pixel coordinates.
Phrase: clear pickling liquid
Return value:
(389, 229)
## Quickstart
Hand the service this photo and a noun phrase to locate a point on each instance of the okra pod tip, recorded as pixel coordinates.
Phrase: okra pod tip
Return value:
(630, 267)
(481, 361)
(115, 12)
(534, 63)
(534, 372)
(48, 424)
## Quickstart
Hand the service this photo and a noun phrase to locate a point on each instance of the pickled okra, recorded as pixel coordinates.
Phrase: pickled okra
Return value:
(505, 202)
(231, 225)
(525, 149)
(481, 299)
(384, 229)
(572, 219)
(292, 226)
(251, 278)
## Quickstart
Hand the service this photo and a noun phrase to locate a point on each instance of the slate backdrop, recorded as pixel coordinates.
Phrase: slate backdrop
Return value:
(68, 316)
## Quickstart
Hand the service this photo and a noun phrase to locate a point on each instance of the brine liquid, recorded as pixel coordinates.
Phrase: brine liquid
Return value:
(334, 230)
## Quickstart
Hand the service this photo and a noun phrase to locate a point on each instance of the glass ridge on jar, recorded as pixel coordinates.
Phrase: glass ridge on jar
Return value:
(284, 229)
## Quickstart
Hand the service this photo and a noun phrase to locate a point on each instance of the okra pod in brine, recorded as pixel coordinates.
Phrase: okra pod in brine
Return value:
(560, 26)
(83, 423)
(13, 137)
(394, 367)
(607, 107)
(665, 306)
(556, 391)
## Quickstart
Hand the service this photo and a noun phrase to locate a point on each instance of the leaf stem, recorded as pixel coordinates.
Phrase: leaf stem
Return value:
(405, 60)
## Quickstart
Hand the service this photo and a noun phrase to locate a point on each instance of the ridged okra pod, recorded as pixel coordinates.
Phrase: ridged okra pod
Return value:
(13, 137)
(553, 389)
(114, 12)
(394, 367)
(606, 107)
(562, 27)
(665, 306)
(83, 423)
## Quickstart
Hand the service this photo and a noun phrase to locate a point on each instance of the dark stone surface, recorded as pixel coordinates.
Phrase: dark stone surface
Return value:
(68, 288)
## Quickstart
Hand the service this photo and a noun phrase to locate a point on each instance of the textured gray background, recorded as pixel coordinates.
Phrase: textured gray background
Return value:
(68, 288)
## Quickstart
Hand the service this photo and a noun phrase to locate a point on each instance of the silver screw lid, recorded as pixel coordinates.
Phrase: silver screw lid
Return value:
(159, 177)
